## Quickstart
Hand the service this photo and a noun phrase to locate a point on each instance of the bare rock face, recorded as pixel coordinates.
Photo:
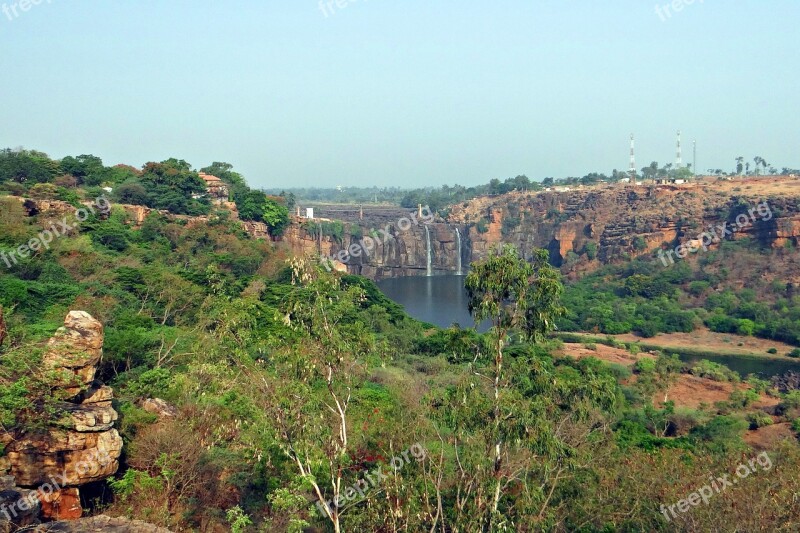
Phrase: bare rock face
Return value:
(75, 351)
(18, 507)
(61, 505)
(81, 446)
(393, 244)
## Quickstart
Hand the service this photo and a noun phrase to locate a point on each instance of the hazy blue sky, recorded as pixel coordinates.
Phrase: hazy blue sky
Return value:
(402, 92)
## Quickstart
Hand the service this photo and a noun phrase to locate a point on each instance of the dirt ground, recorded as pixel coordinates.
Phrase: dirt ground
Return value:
(768, 437)
(603, 352)
(689, 391)
(703, 339)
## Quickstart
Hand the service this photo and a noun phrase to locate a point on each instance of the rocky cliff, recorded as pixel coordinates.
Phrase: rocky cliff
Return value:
(391, 250)
(582, 229)
(585, 229)
(80, 444)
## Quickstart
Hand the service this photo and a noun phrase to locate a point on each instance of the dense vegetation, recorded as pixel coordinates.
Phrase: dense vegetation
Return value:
(645, 297)
(296, 387)
(171, 185)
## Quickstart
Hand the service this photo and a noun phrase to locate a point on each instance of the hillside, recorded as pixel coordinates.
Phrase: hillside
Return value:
(249, 388)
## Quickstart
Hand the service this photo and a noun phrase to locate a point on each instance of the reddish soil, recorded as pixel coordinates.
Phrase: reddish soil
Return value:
(703, 339)
(691, 391)
(603, 352)
(768, 437)
(688, 391)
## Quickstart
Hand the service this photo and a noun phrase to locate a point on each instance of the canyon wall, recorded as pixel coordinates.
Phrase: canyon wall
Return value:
(585, 229)
(392, 251)
(582, 229)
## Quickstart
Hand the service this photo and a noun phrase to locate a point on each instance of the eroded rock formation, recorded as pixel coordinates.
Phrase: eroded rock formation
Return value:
(81, 445)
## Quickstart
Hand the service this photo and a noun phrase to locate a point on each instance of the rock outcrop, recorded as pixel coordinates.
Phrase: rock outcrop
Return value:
(80, 445)
(376, 256)
(597, 226)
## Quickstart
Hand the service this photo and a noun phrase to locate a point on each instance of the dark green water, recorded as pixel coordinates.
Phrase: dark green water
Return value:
(439, 300)
(442, 301)
(765, 368)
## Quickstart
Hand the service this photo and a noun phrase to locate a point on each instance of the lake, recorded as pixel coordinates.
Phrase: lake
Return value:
(439, 300)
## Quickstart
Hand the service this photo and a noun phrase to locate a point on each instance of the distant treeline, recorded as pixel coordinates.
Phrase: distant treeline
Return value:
(440, 197)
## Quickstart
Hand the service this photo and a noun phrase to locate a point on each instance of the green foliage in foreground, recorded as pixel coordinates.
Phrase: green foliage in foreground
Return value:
(287, 377)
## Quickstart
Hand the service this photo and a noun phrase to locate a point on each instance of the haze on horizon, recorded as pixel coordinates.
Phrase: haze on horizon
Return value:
(409, 94)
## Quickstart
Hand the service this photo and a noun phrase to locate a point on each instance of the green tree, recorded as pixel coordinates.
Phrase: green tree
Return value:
(513, 295)
(27, 166)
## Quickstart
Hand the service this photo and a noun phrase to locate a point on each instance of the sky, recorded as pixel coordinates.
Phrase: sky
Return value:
(411, 93)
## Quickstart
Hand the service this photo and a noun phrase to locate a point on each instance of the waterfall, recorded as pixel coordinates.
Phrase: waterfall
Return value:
(428, 240)
(458, 259)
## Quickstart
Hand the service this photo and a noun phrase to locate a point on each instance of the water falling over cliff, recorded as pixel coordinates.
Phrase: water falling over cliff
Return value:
(428, 242)
(458, 258)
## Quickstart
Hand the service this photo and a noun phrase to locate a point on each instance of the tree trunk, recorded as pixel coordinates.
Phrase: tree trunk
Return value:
(3, 330)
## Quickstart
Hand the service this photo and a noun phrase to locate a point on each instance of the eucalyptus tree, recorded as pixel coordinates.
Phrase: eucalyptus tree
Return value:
(516, 296)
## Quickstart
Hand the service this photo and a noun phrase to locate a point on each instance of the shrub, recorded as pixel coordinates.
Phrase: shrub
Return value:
(590, 249)
(722, 434)
(634, 348)
(644, 366)
(713, 371)
(747, 328)
(794, 353)
(696, 288)
(621, 372)
(759, 420)
(743, 398)
(791, 400)
(509, 225)
(759, 385)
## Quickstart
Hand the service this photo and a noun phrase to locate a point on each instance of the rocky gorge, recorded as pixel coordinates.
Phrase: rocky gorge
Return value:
(581, 229)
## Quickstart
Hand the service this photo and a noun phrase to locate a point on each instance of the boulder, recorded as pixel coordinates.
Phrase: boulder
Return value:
(61, 505)
(159, 408)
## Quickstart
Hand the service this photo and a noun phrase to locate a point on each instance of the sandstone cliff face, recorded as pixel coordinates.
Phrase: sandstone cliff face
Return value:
(581, 229)
(81, 446)
(622, 222)
(404, 252)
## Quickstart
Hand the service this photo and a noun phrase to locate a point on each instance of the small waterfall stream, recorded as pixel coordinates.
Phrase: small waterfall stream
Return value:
(458, 258)
(430, 259)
